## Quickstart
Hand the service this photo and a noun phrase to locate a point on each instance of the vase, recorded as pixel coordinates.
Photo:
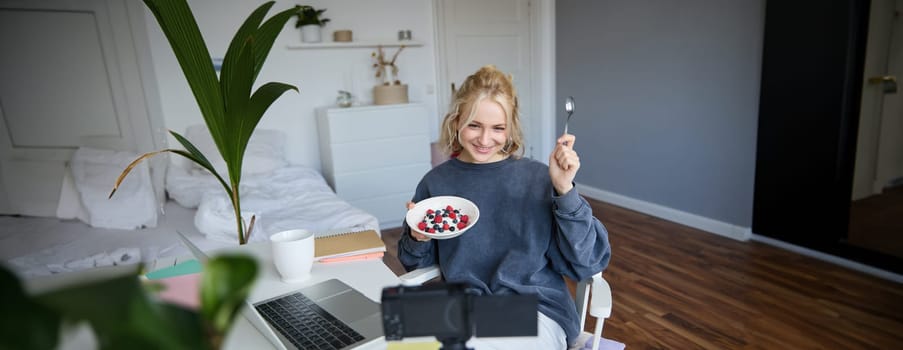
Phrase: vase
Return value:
(390, 94)
(341, 36)
(310, 33)
(388, 75)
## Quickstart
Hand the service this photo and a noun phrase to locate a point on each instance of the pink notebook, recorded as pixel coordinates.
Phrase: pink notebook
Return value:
(182, 290)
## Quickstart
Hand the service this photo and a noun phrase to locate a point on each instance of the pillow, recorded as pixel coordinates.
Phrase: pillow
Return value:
(265, 151)
(94, 171)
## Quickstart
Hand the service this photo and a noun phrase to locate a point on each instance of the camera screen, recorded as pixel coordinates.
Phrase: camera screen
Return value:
(450, 312)
(429, 315)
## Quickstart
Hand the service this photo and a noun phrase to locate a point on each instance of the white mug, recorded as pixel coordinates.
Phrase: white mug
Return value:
(293, 254)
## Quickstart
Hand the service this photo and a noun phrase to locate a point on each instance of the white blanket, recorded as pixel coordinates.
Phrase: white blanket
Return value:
(94, 171)
(287, 198)
(34, 246)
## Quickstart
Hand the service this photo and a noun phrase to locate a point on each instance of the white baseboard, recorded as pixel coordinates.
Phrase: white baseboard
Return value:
(830, 258)
(720, 228)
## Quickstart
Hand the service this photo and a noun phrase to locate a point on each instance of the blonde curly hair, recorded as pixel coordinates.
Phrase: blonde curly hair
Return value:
(487, 83)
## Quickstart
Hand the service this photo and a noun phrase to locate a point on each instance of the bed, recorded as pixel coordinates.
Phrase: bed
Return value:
(280, 195)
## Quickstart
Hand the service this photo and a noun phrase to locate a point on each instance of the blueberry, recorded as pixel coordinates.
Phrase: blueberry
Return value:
(451, 228)
(440, 230)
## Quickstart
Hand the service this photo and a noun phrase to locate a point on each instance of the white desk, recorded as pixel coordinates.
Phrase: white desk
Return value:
(368, 276)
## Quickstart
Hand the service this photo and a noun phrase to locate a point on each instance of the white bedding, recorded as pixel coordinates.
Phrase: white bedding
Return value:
(290, 197)
(287, 198)
(281, 197)
(33, 246)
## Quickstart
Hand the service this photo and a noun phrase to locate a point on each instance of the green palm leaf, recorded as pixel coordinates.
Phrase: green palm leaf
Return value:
(260, 102)
(195, 155)
(181, 30)
(237, 90)
(266, 36)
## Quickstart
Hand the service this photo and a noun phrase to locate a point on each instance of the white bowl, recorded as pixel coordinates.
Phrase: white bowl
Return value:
(464, 206)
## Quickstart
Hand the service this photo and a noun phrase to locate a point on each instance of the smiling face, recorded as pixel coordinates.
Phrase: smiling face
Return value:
(484, 137)
(483, 123)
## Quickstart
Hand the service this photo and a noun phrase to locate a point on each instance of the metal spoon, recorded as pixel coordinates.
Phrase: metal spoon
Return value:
(568, 107)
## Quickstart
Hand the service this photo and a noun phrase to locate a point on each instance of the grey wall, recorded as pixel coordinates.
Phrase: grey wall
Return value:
(667, 95)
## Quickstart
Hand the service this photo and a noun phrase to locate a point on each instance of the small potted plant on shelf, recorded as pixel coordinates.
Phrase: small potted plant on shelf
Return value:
(310, 22)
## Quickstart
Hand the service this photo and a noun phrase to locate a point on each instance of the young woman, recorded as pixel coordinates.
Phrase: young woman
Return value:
(534, 228)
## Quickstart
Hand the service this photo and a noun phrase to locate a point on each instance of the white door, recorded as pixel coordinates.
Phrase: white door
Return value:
(889, 169)
(69, 77)
(879, 150)
(474, 33)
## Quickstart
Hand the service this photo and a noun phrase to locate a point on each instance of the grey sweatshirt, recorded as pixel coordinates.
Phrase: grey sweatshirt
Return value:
(527, 236)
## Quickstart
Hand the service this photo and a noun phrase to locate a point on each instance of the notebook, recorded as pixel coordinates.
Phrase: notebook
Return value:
(331, 245)
(344, 306)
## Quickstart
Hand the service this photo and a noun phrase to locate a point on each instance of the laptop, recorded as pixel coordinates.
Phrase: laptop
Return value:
(326, 315)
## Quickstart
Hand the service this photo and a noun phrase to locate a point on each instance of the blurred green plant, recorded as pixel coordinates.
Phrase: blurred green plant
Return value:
(230, 109)
(123, 311)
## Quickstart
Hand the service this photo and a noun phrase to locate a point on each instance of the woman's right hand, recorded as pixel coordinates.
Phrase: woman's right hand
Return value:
(414, 234)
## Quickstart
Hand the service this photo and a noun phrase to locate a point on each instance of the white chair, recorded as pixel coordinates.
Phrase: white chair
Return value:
(599, 306)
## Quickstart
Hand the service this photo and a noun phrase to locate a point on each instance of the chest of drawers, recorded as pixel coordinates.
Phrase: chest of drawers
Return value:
(374, 156)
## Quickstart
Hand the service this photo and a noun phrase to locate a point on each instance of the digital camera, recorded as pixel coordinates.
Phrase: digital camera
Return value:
(453, 314)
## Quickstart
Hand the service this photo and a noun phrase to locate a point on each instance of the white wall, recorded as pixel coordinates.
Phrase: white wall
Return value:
(318, 73)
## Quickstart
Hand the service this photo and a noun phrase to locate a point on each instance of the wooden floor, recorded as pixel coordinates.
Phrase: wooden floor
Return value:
(675, 287)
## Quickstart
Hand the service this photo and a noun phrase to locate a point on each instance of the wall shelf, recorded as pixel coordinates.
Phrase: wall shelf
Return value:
(360, 43)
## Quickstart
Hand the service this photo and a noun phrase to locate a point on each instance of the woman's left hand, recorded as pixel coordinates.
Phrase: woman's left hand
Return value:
(563, 164)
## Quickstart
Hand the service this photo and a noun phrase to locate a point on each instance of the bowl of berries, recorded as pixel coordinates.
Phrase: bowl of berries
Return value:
(443, 217)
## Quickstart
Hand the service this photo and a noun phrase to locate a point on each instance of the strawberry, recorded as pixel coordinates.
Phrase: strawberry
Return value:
(422, 225)
(461, 225)
(464, 218)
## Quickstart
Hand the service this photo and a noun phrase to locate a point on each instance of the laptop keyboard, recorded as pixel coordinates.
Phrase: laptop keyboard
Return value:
(307, 325)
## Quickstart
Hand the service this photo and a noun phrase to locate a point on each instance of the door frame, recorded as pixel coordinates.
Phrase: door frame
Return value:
(542, 69)
(807, 137)
(158, 138)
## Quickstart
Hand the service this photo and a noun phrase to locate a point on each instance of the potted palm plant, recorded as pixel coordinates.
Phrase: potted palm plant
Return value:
(310, 22)
(230, 107)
